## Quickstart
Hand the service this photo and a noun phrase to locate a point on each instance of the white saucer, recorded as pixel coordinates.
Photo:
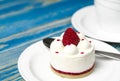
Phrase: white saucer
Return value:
(85, 20)
(33, 65)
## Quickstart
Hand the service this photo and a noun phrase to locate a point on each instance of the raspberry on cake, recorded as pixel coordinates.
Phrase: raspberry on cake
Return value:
(68, 37)
(72, 55)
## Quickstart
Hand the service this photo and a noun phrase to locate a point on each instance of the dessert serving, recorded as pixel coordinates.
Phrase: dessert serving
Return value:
(72, 55)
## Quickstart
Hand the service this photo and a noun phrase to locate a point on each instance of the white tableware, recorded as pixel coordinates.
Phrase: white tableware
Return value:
(108, 13)
(33, 65)
(85, 20)
(117, 1)
(111, 4)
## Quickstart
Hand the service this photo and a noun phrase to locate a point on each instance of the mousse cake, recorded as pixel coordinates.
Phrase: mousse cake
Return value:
(72, 55)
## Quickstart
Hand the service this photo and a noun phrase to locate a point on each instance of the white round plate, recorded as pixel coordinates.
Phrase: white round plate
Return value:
(85, 20)
(33, 65)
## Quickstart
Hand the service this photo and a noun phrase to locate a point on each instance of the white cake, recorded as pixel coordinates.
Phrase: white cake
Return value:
(72, 60)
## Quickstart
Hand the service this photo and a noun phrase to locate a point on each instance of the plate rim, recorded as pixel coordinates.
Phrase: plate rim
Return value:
(75, 19)
(20, 60)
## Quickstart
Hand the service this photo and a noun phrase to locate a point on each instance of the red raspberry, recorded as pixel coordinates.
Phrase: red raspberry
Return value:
(70, 37)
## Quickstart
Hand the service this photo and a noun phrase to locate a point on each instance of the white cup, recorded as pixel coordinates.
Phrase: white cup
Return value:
(108, 13)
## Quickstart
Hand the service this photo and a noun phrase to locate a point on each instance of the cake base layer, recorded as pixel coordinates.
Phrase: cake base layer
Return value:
(73, 75)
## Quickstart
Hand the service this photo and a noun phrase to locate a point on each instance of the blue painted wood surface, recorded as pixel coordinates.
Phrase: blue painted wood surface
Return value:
(24, 22)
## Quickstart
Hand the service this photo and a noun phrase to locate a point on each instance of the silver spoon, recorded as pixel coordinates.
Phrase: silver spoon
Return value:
(106, 50)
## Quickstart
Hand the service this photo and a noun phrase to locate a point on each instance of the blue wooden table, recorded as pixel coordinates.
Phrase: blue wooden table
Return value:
(24, 22)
